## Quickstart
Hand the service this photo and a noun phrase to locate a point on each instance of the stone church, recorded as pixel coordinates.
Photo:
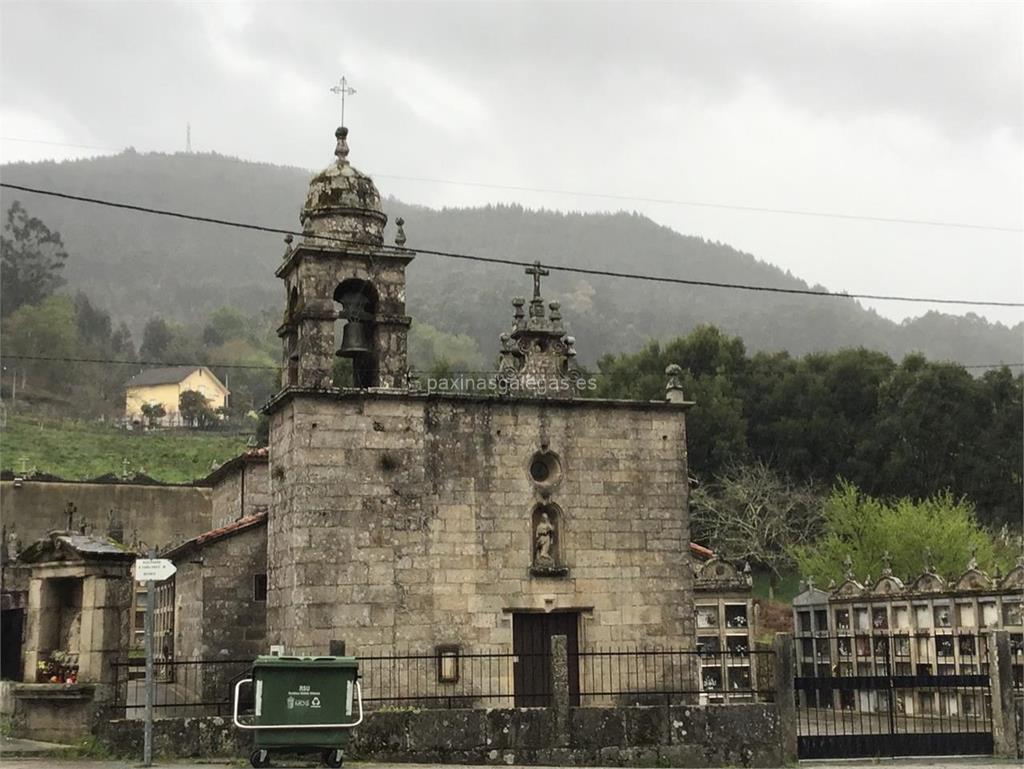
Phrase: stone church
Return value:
(406, 517)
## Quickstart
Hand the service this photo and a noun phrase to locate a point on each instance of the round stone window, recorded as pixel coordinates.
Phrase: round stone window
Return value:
(540, 470)
(545, 469)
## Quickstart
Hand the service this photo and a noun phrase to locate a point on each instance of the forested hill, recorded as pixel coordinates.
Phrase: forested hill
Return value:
(136, 265)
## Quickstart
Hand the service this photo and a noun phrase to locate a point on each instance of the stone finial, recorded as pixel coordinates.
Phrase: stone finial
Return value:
(973, 563)
(288, 244)
(674, 387)
(400, 232)
(341, 148)
(555, 316)
(517, 311)
(570, 346)
(810, 582)
(848, 566)
(886, 564)
(831, 585)
(929, 561)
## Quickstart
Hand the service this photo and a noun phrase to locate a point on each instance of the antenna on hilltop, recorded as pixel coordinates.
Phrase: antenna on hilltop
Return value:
(188, 137)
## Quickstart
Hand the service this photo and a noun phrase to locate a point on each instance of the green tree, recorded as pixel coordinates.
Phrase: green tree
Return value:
(153, 412)
(225, 324)
(156, 336)
(752, 513)
(427, 346)
(45, 330)
(866, 528)
(195, 410)
(31, 261)
(714, 365)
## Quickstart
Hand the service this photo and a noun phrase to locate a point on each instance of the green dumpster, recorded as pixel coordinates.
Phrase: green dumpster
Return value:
(302, 704)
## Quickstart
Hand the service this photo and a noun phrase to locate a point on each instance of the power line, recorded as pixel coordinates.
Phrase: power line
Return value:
(704, 204)
(639, 198)
(60, 144)
(65, 359)
(512, 262)
(269, 366)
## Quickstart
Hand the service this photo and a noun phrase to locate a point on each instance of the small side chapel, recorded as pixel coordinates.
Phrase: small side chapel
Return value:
(406, 519)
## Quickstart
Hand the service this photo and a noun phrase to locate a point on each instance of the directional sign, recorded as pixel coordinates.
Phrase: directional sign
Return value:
(153, 569)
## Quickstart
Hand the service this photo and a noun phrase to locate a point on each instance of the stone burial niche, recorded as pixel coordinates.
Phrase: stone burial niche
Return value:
(79, 605)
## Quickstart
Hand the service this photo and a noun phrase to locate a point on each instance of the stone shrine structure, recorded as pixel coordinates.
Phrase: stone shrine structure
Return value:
(405, 518)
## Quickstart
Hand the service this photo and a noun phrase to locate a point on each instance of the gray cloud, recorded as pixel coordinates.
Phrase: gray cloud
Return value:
(907, 109)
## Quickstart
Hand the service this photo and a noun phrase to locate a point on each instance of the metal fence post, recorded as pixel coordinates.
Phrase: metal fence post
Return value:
(785, 695)
(560, 687)
(1004, 722)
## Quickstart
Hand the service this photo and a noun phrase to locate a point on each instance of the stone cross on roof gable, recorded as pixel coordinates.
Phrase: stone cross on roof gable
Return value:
(537, 272)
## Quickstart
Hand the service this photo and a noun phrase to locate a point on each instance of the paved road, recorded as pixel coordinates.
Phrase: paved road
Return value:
(50, 763)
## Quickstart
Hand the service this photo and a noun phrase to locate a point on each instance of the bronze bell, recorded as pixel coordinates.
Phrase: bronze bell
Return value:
(353, 340)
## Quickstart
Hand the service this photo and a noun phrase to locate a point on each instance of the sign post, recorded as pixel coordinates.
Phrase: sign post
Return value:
(150, 570)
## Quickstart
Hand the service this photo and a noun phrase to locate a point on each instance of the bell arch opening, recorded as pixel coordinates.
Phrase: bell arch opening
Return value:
(356, 302)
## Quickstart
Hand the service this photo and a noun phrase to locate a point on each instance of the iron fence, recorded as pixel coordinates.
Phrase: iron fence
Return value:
(638, 676)
(452, 678)
(182, 688)
(879, 694)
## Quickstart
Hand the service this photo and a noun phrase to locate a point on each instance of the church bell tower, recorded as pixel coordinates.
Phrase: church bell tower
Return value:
(345, 290)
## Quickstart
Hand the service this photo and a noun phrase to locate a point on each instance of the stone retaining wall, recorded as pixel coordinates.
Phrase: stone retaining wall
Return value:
(733, 735)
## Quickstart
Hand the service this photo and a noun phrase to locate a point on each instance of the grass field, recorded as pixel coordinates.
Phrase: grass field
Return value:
(79, 450)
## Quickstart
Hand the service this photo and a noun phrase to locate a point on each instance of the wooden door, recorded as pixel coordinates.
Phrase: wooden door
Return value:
(531, 643)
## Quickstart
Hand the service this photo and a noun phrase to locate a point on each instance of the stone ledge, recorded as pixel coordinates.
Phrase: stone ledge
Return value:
(85, 692)
(395, 393)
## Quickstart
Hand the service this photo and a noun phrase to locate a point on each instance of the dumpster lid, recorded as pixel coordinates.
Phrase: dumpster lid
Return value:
(267, 660)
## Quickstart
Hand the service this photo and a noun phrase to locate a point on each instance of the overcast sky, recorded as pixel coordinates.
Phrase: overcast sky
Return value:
(909, 110)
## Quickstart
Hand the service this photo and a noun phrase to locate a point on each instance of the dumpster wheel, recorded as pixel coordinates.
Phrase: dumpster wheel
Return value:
(333, 757)
(259, 758)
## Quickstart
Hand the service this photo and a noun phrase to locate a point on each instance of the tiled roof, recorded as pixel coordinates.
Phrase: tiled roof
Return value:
(259, 455)
(215, 535)
(164, 375)
(701, 551)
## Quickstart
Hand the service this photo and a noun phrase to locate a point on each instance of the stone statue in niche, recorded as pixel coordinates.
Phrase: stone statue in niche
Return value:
(546, 543)
(544, 538)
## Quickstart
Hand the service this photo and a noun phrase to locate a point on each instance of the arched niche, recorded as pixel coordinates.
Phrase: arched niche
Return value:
(547, 541)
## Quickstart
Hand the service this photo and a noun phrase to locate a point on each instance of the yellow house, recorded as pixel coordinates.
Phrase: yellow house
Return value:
(165, 386)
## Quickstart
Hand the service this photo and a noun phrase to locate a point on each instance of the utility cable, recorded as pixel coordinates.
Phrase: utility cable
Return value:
(509, 262)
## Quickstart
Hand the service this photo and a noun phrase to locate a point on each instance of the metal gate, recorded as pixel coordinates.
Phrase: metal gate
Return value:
(892, 695)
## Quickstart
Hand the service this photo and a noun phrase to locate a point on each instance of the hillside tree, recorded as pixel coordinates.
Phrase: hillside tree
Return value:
(31, 259)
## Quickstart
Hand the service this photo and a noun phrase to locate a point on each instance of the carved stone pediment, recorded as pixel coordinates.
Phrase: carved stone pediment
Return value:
(974, 579)
(928, 582)
(1015, 579)
(849, 587)
(717, 574)
(889, 585)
